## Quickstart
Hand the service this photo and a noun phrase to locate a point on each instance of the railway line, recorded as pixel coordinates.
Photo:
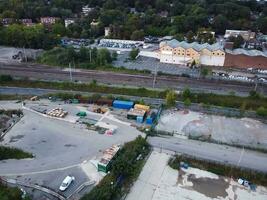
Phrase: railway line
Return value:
(41, 72)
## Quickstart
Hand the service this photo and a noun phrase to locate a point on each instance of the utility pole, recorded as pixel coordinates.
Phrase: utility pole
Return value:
(70, 72)
(90, 52)
(155, 75)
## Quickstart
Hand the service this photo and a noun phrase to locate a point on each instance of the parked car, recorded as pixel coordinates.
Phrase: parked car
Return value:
(243, 182)
(66, 183)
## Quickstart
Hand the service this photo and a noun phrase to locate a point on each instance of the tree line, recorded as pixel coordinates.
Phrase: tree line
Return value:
(137, 18)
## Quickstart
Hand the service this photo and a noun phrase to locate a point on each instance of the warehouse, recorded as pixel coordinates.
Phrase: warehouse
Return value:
(245, 59)
(176, 52)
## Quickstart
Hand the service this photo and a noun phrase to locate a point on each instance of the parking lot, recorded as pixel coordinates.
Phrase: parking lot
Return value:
(60, 147)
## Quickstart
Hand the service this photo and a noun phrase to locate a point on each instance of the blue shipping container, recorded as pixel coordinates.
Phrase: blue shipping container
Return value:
(123, 104)
(149, 120)
(139, 119)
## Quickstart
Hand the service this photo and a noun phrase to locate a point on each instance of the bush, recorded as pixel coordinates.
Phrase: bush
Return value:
(261, 111)
(8, 193)
(13, 153)
(4, 78)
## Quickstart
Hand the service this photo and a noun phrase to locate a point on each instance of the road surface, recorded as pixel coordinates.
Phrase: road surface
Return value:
(41, 72)
(220, 153)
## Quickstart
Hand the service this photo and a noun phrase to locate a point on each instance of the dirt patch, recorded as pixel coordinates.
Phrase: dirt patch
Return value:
(212, 188)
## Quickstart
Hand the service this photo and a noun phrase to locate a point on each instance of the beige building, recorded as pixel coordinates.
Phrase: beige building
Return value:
(246, 35)
(176, 52)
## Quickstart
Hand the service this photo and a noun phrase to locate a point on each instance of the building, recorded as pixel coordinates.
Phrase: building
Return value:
(107, 31)
(48, 20)
(184, 53)
(241, 58)
(68, 22)
(86, 9)
(246, 35)
(7, 21)
(26, 22)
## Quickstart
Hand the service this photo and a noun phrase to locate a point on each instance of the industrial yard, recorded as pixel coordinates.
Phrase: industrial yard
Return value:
(160, 181)
(60, 136)
(235, 131)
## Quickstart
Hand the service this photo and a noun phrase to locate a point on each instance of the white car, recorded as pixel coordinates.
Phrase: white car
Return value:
(66, 183)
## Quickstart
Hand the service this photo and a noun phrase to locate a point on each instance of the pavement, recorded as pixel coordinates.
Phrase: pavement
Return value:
(158, 181)
(214, 152)
(60, 148)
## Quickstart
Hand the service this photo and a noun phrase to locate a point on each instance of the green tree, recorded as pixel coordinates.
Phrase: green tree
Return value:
(133, 54)
(187, 102)
(171, 98)
(238, 41)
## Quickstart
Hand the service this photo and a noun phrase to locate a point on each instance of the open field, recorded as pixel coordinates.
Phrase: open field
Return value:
(158, 181)
(234, 131)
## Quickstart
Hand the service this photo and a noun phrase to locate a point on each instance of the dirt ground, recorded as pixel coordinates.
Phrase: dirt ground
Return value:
(238, 131)
(158, 181)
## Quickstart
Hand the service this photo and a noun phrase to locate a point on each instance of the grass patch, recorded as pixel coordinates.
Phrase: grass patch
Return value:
(125, 169)
(255, 177)
(13, 153)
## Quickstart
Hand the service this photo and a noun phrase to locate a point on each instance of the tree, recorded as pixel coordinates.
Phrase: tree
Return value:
(103, 57)
(187, 93)
(114, 55)
(133, 54)
(138, 35)
(187, 102)
(204, 71)
(238, 41)
(171, 98)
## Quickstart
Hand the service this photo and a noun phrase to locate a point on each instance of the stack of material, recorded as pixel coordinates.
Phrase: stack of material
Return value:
(142, 107)
(57, 112)
(135, 113)
(105, 162)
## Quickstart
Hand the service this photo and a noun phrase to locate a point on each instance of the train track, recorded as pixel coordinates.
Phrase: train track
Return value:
(140, 80)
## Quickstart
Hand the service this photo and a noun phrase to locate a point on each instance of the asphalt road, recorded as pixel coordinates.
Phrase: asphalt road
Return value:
(220, 153)
(41, 72)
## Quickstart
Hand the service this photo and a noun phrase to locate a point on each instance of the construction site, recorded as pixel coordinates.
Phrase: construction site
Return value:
(213, 128)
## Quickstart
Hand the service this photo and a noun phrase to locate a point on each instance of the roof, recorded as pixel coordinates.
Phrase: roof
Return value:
(129, 103)
(246, 52)
(194, 45)
(67, 179)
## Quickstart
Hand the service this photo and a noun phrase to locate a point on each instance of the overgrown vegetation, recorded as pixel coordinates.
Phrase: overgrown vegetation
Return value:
(9, 193)
(255, 177)
(13, 153)
(125, 169)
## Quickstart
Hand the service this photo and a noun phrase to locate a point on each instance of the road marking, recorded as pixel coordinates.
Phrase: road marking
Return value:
(43, 171)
